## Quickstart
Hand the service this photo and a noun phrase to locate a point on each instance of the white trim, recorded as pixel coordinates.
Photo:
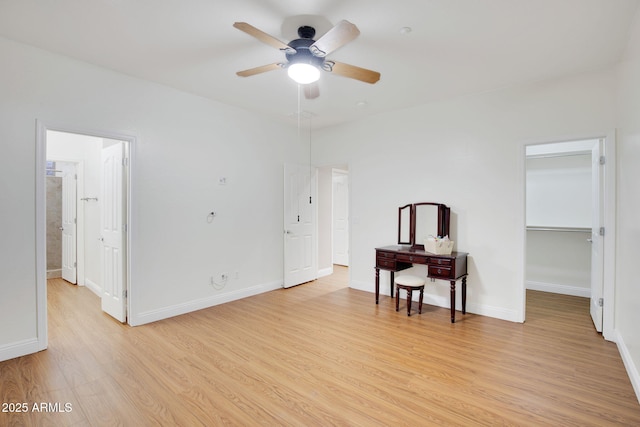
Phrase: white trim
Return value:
(325, 272)
(632, 369)
(444, 302)
(93, 287)
(21, 348)
(609, 221)
(199, 304)
(555, 288)
(41, 245)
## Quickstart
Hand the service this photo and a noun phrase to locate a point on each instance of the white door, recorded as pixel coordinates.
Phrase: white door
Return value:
(340, 218)
(112, 233)
(69, 221)
(597, 255)
(299, 225)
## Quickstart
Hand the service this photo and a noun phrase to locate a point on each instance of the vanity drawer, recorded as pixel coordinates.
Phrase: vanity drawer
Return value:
(386, 263)
(385, 254)
(413, 259)
(440, 261)
(437, 271)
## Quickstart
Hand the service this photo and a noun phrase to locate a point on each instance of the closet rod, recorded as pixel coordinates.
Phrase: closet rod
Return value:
(570, 229)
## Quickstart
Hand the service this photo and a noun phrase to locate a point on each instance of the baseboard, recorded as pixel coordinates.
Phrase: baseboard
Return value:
(632, 369)
(444, 302)
(93, 287)
(188, 307)
(20, 348)
(325, 272)
(54, 274)
(576, 291)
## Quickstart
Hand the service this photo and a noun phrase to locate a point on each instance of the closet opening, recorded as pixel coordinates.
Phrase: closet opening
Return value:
(568, 190)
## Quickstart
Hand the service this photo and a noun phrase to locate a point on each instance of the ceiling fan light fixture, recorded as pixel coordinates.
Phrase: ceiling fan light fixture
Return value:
(303, 73)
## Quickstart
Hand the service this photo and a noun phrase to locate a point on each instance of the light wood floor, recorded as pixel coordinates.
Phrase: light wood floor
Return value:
(321, 354)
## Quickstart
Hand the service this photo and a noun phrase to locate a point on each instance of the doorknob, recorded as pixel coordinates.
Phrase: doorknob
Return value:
(101, 238)
(61, 228)
(288, 232)
(590, 240)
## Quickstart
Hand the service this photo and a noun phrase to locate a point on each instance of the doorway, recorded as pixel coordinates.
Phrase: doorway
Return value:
(100, 205)
(333, 219)
(569, 189)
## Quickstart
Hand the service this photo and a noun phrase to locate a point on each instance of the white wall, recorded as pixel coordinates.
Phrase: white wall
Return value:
(559, 191)
(469, 154)
(628, 207)
(183, 144)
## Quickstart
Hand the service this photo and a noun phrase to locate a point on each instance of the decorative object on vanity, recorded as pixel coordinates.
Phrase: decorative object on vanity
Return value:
(438, 245)
(416, 222)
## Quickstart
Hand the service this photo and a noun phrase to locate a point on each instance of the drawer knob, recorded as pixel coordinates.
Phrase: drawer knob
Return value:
(439, 271)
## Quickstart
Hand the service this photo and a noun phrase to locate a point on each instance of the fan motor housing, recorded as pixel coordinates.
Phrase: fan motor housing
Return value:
(301, 45)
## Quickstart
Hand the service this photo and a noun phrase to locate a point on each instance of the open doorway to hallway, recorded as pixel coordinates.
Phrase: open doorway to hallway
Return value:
(333, 218)
(86, 204)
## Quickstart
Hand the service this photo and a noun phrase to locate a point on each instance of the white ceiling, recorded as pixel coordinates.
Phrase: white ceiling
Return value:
(455, 48)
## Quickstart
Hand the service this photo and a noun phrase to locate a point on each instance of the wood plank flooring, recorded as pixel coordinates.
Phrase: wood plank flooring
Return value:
(320, 354)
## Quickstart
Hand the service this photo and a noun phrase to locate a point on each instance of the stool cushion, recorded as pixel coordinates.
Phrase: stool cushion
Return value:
(408, 280)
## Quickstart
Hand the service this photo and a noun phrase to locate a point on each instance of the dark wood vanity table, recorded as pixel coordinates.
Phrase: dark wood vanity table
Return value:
(416, 222)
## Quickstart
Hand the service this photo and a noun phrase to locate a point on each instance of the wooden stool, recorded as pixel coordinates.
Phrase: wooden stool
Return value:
(409, 284)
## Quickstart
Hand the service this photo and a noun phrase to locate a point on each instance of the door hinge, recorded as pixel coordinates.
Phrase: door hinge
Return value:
(310, 200)
(75, 177)
(600, 302)
(124, 293)
(125, 161)
(75, 264)
(601, 232)
(602, 160)
(298, 218)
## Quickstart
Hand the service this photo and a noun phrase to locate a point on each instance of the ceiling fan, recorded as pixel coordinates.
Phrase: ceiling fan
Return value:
(306, 57)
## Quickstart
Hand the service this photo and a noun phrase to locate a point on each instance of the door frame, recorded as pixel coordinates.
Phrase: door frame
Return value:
(609, 220)
(40, 215)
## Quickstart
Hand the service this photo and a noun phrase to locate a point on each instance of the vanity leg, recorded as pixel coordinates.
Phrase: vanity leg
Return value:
(377, 284)
(464, 295)
(392, 276)
(453, 301)
(409, 292)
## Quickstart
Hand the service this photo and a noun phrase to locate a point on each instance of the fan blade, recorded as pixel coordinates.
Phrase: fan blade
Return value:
(264, 37)
(353, 72)
(259, 70)
(311, 91)
(336, 37)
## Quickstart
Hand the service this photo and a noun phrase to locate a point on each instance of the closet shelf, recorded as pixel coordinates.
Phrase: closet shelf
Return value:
(569, 229)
